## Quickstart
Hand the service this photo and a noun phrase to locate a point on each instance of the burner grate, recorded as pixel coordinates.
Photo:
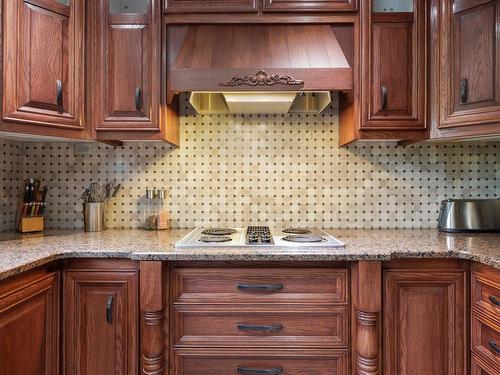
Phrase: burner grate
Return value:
(259, 235)
(219, 231)
(215, 239)
(304, 239)
(296, 231)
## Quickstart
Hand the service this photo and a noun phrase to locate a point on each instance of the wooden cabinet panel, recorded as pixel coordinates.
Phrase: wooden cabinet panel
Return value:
(204, 362)
(485, 338)
(485, 290)
(209, 6)
(467, 60)
(309, 5)
(43, 67)
(29, 325)
(244, 285)
(247, 326)
(479, 367)
(100, 316)
(424, 322)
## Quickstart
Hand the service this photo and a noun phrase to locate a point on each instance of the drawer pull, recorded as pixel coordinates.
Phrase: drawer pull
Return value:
(464, 90)
(138, 99)
(256, 371)
(494, 300)
(261, 288)
(271, 328)
(383, 90)
(109, 310)
(493, 345)
(59, 96)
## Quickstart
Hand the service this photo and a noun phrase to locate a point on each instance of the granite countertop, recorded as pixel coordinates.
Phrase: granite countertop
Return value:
(19, 253)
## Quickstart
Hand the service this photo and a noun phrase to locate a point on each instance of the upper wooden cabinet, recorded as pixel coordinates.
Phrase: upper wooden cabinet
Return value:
(43, 67)
(29, 324)
(210, 6)
(465, 68)
(308, 5)
(389, 98)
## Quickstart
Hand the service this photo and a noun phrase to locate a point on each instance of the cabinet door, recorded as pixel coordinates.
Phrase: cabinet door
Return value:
(127, 69)
(309, 5)
(100, 322)
(43, 65)
(208, 6)
(424, 322)
(394, 64)
(29, 325)
(470, 70)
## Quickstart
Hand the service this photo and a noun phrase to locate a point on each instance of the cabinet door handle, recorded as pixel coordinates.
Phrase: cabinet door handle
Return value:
(138, 99)
(494, 300)
(59, 96)
(261, 288)
(383, 90)
(109, 310)
(464, 90)
(493, 345)
(256, 371)
(270, 328)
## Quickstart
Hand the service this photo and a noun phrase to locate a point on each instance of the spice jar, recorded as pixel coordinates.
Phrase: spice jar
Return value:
(162, 221)
(150, 211)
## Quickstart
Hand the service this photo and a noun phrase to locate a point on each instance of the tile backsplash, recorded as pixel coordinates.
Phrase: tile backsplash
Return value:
(10, 177)
(281, 170)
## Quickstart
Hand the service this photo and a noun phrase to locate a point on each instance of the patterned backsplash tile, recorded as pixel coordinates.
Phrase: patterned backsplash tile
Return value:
(280, 170)
(10, 177)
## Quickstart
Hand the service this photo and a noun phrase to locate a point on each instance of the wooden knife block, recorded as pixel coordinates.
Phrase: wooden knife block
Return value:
(31, 224)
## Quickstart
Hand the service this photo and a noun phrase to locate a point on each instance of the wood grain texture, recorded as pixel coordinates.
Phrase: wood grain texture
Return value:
(468, 48)
(216, 362)
(301, 6)
(424, 322)
(485, 290)
(210, 6)
(219, 286)
(29, 324)
(485, 332)
(87, 331)
(479, 367)
(43, 43)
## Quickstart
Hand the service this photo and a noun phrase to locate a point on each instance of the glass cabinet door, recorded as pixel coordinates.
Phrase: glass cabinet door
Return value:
(392, 6)
(128, 6)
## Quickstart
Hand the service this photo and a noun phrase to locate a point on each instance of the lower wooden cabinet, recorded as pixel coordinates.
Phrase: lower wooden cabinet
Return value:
(424, 322)
(100, 322)
(29, 324)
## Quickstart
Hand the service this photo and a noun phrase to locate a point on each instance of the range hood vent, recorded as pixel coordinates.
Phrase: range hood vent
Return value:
(259, 68)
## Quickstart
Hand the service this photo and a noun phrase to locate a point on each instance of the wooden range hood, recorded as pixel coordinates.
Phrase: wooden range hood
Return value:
(264, 58)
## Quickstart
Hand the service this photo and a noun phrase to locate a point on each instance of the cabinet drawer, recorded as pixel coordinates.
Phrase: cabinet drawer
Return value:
(486, 338)
(479, 367)
(206, 326)
(486, 293)
(260, 362)
(260, 285)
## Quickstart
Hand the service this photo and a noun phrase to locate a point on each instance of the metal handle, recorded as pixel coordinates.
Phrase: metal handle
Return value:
(494, 300)
(383, 89)
(256, 371)
(464, 90)
(59, 97)
(109, 310)
(493, 345)
(262, 288)
(250, 327)
(138, 99)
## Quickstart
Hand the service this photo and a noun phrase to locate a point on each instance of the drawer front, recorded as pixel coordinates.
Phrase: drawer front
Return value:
(486, 338)
(260, 285)
(201, 326)
(260, 362)
(486, 294)
(480, 367)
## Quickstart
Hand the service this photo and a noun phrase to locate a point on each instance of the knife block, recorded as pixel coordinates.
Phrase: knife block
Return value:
(31, 224)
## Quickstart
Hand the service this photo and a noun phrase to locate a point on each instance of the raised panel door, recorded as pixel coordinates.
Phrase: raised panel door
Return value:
(309, 5)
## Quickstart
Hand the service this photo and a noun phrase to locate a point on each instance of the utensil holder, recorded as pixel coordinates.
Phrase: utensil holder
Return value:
(94, 217)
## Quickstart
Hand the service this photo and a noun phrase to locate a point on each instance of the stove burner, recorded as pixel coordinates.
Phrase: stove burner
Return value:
(296, 230)
(218, 231)
(215, 239)
(304, 238)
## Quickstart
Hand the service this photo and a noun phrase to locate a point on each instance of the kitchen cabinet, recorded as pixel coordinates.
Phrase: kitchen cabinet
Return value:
(424, 319)
(126, 73)
(29, 324)
(43, 65)
(465, 68)
(309, 5)
(389, 99)
(210, 6)
(101, 319)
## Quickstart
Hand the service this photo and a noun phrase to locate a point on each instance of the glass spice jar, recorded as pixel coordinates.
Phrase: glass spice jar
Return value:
(150, 218)
(162, 221)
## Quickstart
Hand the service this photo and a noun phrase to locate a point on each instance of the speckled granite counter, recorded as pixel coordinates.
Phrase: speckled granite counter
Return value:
(18, 254)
